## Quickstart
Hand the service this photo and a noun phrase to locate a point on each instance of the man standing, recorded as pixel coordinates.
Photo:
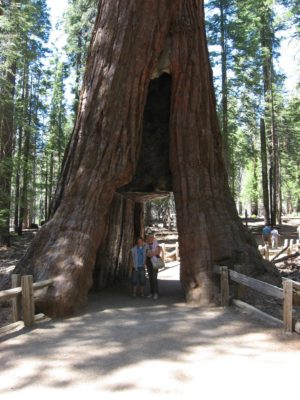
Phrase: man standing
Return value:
(266, 234)
(153, 250)
(138, 279)
(274, 238)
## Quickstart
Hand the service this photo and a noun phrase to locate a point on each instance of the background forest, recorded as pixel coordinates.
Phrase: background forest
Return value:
(40, 89)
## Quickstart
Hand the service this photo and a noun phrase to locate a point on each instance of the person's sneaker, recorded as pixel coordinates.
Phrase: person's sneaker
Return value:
(133, 294)
(155, 297)
(149, 296)
(142, 295)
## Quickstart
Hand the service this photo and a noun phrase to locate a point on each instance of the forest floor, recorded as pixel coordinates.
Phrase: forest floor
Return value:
(288, 269)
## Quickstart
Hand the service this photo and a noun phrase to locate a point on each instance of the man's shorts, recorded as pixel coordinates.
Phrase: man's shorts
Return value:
(138, 277)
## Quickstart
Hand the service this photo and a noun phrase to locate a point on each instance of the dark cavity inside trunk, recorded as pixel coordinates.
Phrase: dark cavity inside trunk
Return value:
(152, 179)
(153, 171)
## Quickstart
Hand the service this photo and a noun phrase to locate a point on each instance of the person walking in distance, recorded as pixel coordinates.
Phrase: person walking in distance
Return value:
(138, 279)
(153, 250)
(274, 238)
(298, 231)
(266, 234)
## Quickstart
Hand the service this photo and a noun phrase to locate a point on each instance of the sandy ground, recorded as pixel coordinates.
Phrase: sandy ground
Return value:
(135, 348)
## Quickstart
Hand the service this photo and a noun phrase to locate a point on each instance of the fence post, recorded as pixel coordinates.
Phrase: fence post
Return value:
(16, 302)
(224, 287)
(291, 245)
(288, 306)
(27, 300)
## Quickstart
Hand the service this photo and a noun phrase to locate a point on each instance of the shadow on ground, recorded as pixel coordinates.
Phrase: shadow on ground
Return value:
(124, 344)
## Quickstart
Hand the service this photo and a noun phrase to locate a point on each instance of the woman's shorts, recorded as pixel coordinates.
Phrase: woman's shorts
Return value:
(138, 277)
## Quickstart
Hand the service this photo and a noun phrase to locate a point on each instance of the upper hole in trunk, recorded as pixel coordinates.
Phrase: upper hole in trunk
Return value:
(153, 171)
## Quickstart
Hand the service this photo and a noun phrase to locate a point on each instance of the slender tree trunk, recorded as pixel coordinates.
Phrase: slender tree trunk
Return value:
(254, 199)
(148, 214)
(264, 171)
(46, 199)
(169, 37)
(17, 190)
(23, 216)
(6, 153)
(51, 178)
(276, 158)
(269, 115)
(78, 67)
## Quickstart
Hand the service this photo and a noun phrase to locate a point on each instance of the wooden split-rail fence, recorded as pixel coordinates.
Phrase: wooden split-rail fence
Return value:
(289, 246)
(22, 295)
(290, 290)
(23, 290)
(166, 253)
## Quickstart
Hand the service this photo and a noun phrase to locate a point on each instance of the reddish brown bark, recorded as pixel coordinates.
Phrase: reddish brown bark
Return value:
(113, 258)
(134, 42)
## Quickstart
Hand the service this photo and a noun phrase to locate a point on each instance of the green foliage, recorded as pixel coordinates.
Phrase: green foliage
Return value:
(253, 30)
(290, 149)
(244, 39)
(78, 22)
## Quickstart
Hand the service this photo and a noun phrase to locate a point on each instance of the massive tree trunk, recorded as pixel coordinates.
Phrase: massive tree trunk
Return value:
(135, 42)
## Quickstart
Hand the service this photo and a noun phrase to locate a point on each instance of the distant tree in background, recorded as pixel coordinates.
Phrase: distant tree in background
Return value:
(258, 121)
(253, 86)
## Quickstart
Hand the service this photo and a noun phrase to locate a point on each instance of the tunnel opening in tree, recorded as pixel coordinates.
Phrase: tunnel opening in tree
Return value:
(152, 180)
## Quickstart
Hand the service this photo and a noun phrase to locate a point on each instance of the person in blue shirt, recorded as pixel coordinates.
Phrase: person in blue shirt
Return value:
(266, 234)
(138, 279)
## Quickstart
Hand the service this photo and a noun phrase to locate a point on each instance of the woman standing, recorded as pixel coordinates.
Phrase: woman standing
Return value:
(153, 250)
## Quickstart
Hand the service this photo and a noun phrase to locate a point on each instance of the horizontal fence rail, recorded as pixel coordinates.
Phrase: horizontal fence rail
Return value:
(257, 285)
(286, 294)
(22, 296)
(10, 294)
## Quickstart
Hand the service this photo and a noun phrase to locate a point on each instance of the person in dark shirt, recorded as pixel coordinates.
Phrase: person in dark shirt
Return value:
(152, 250)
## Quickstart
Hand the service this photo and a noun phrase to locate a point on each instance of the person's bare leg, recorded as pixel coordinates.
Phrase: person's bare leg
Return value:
(142, 290)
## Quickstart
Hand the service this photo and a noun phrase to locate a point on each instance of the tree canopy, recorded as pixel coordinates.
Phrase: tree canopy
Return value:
(40, 90)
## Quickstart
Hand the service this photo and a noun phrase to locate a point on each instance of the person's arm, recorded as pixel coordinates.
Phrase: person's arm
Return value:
(157, 251)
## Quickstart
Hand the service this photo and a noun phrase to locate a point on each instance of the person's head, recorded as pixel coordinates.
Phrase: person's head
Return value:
(150, 238)
(140, 242)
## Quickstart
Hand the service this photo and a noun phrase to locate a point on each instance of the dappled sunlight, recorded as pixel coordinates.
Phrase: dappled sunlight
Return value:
(117, 350)
(138, 347)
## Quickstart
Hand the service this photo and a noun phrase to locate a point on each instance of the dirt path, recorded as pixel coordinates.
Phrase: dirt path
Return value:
(122, 347)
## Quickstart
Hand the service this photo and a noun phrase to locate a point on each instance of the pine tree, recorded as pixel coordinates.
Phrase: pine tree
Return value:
(79, 21)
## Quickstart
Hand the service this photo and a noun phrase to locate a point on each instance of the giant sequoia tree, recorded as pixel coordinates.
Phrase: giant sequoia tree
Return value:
(146, 123)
